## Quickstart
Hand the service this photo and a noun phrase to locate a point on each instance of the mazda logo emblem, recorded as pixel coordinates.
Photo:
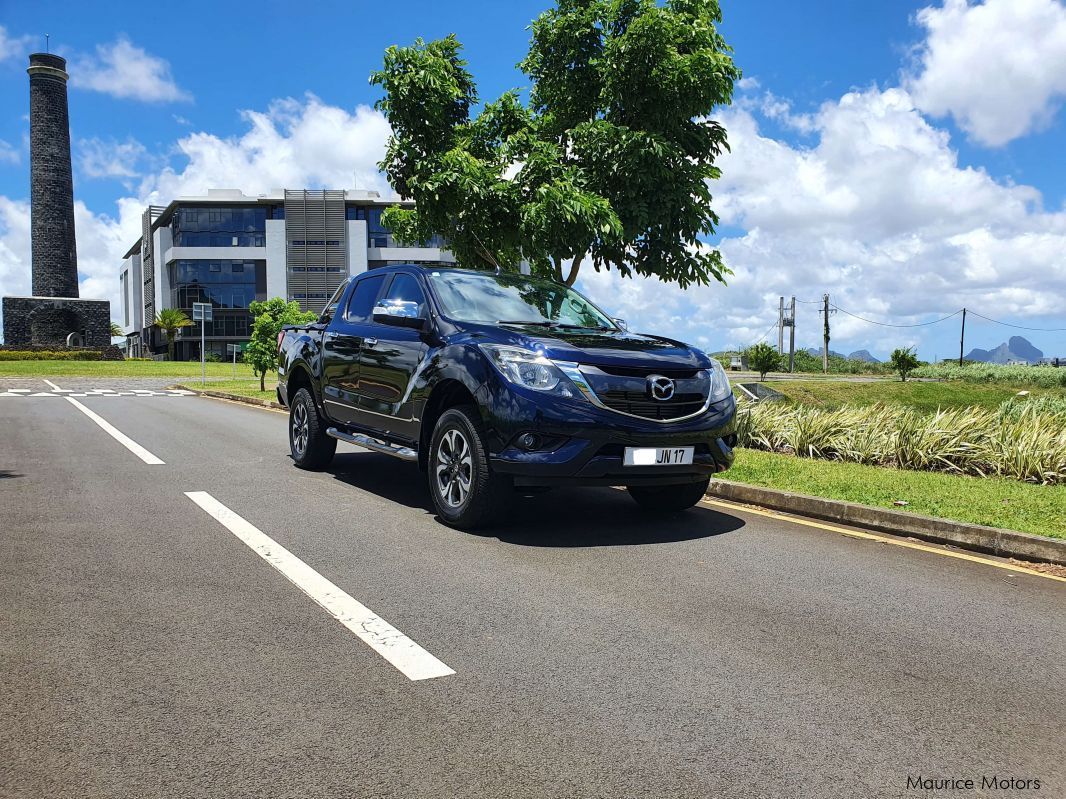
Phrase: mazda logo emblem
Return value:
(660, 388)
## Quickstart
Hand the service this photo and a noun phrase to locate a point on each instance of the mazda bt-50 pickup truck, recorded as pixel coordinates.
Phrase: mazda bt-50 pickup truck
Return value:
(494, 383)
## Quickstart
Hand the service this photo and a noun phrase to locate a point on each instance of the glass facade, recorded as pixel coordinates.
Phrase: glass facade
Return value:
(229, 286)
(219, 226)
(377, 235)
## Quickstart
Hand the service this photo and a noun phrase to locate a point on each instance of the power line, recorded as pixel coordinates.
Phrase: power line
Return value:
(1021, 327)
(887, 324)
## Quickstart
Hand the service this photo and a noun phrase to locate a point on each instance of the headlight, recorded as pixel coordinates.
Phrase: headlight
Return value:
(527, 368)
(720, 388)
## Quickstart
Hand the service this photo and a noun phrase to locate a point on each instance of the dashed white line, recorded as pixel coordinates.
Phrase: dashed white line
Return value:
(117, 434)
(403, 653)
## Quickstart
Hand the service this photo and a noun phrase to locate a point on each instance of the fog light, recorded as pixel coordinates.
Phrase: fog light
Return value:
(528, 441)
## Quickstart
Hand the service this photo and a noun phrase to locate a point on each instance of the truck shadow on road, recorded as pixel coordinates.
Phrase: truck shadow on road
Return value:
(564, 517)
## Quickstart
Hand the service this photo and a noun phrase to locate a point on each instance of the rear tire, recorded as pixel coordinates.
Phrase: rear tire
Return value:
(311, 448)
(670, 498)
(465, 491)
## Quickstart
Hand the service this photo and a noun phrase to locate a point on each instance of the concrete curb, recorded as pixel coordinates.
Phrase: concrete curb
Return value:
(992, 540)
(232, 397)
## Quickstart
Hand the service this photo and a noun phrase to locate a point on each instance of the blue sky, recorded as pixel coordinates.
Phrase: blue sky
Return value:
(950, 204)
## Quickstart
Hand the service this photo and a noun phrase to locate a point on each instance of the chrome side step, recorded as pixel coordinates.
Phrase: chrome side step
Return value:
(403, 453)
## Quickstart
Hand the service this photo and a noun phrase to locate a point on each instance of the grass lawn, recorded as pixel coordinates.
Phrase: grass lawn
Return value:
(120, 369)
(243, 388)
(923, 396)
(980, 500)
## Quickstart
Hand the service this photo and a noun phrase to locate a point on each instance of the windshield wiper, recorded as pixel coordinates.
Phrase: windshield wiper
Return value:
(541, 323)
(583, 327)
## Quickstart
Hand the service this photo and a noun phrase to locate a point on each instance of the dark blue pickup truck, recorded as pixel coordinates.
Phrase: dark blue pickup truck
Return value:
(496, 383)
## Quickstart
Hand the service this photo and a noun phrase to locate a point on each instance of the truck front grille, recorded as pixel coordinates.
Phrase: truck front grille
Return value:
(640, 404)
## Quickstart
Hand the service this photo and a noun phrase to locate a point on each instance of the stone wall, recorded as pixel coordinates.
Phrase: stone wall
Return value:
(49, 320)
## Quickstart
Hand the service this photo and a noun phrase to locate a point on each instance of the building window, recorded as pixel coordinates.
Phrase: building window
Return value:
(228, 285)
(219, 226)
(277, 212)
(354, 212)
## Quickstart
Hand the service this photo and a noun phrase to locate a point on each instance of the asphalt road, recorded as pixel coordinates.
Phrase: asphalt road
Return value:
(147, 651)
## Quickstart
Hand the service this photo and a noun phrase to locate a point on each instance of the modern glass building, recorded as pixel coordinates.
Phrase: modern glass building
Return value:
(228, 248)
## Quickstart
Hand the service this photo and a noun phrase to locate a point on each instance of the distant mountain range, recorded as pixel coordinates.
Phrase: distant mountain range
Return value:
(1016, 349)
(858, 355)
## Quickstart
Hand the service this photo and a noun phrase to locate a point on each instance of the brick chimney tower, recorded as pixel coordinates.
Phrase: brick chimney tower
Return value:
(55, 254)
(54, 316)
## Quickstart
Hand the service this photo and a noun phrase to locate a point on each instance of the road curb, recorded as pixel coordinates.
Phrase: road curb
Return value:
(991, 540)
(232, 397)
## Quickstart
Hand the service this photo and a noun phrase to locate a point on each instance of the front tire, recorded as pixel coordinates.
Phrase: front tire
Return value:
(465, 491)
(311, 448)
(670, 498)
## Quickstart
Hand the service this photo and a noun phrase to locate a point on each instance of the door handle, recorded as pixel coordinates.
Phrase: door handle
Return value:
(370, 342)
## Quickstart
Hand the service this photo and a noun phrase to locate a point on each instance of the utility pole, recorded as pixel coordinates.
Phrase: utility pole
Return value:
(825, 335)
(962, 339)
(792, 338)
(781, 326)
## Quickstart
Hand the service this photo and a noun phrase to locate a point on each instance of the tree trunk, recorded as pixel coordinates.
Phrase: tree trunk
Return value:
(170, 344)
(262, 381)
(574, 268)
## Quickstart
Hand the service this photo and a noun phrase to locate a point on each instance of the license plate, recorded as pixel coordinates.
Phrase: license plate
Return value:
(658, 456)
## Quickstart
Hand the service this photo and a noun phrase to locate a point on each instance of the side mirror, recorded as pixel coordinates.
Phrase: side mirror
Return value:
(399, 313)
(621, 324)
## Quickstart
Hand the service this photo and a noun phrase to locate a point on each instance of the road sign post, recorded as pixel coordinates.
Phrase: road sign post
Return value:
(234, 349)
(201, 312)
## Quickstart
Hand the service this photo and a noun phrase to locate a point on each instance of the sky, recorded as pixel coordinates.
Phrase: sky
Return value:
(906, 158)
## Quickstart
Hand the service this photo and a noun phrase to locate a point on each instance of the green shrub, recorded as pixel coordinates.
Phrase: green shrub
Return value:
(1022, 440)
(51, 355)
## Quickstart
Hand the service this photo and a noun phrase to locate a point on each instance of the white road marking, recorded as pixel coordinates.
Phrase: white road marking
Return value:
(51, 384)
(403, 653)
(117, 434)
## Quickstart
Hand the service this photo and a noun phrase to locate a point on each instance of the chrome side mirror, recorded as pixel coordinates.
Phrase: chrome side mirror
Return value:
(621, 324)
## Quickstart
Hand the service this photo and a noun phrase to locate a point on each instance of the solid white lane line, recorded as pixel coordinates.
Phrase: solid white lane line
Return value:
(53, 385)
(117, 434)
(403, 653)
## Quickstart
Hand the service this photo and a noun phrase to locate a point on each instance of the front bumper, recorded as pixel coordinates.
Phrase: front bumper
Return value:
(594, 439)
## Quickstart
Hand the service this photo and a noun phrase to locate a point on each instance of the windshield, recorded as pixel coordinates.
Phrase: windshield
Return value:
(518, 299)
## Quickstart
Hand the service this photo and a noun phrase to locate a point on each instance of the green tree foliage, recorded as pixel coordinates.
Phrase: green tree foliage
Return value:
(170, 320)
(268, 319)
(116, 331)
(610, 164)
(904, 361)
(763, 358)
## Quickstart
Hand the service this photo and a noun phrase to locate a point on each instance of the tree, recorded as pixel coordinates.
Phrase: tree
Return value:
(904, 361)
(116, 331)
(268, 319)
(170, 320)
(609, 164)
(763, 358)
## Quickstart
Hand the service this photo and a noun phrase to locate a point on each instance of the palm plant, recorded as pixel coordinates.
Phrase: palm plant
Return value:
(170, 320)
(116, 331)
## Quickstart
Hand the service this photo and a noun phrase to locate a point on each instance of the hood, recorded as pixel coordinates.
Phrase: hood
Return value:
(596, 347)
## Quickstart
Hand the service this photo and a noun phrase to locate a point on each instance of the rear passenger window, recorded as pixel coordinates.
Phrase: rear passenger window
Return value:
(362, 301)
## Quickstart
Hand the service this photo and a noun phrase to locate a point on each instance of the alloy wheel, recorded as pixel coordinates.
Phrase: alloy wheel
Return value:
(300, 429)
(454, 468)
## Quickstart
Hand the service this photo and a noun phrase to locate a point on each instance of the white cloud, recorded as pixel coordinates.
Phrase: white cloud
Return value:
(8, 154)
(879, 214)
(110, 159)
(126, 71)
(293, 144)
(999, 67)
(13, 46)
